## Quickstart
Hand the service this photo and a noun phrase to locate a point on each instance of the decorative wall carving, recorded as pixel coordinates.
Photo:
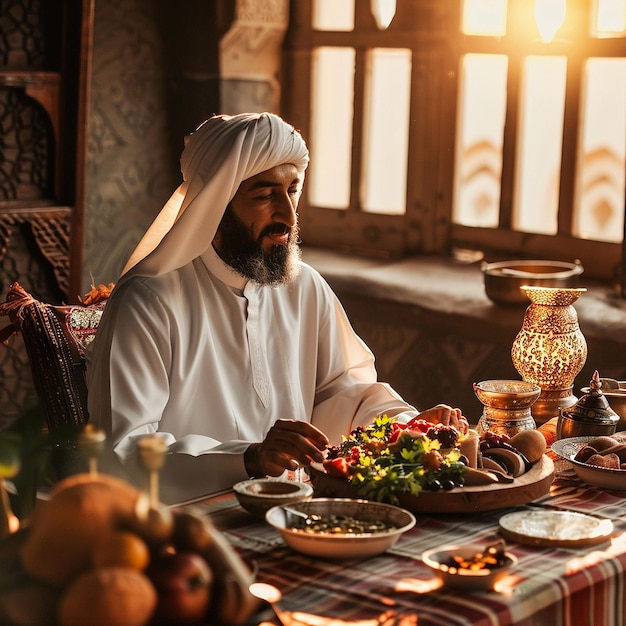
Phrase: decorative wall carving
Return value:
(40, 85)
(250, 56)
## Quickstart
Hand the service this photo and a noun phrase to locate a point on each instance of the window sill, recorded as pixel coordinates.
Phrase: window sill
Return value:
(446, 287)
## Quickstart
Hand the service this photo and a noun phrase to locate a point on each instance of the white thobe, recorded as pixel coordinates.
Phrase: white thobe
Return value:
(211, 361)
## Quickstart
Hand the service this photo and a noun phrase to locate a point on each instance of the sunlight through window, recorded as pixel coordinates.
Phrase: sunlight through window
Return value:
(332, 113)
(549, 16)
(482, 109)
(539, 145)
(333, 15)
(386, 130)
(601, 180)
(484, 17)
(610, 18)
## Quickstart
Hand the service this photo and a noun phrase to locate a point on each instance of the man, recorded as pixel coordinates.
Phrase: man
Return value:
(218, 337)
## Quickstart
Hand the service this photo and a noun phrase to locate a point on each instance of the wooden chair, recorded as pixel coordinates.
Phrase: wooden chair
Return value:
(55, 338)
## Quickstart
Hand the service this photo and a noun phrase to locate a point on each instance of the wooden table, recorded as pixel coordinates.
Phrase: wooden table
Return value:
(548, 586)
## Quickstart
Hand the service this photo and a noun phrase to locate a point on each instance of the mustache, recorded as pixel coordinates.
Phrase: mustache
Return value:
(276, 229)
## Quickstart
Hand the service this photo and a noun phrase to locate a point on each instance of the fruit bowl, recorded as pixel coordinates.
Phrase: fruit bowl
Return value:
(259, 495)
(390, 523)
(98, 547)
(441, 561)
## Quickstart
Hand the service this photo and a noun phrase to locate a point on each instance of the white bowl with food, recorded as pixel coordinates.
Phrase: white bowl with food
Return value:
(472, 567)
(340, 528)
(258, 495)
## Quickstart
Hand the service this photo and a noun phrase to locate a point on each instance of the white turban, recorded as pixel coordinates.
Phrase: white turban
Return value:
(218, 156)
(222, 153)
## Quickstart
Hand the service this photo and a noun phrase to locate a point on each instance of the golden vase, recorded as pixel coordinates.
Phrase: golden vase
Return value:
(550, 349)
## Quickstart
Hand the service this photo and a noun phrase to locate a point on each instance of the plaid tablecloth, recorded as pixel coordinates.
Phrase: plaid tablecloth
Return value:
(548, 586)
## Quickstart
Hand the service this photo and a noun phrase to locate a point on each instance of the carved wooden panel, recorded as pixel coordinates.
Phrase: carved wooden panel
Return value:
(44, 53)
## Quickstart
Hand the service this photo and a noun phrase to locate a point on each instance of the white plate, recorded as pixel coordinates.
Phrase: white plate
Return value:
(603, 477)
(555, 528)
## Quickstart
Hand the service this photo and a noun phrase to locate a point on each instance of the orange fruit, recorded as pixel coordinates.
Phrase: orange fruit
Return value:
(108, 596)
(121, 548)
(66, 527)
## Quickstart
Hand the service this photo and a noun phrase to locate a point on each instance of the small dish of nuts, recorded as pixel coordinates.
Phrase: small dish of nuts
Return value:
(472, 567)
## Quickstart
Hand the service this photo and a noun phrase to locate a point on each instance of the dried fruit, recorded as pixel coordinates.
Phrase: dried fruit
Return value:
(602, 442)
(584, 454)
(610, 461)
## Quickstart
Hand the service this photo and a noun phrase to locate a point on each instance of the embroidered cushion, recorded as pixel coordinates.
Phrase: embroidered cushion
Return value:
(55, 338)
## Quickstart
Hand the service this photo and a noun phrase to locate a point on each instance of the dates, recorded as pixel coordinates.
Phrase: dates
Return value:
(603, 452)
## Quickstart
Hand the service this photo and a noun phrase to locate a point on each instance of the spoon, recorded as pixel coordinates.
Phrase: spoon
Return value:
(610, 384)
(272, 595)
(294, 517)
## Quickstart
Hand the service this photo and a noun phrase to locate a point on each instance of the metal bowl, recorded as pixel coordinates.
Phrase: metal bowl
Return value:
(503, 279)
(617, 401)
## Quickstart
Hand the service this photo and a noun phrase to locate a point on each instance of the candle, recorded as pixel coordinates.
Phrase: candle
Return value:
(469, 447)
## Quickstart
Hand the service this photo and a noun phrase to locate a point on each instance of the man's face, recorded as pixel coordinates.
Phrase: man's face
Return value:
(258, 235)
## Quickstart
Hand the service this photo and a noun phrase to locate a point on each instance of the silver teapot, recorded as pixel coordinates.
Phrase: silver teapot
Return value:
(590, 416)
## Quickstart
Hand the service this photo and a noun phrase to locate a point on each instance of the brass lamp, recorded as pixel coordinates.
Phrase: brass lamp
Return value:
(550, 349)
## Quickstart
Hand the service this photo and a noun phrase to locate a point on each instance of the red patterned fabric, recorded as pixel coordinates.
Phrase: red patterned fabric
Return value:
(55, 338)
(548, 586)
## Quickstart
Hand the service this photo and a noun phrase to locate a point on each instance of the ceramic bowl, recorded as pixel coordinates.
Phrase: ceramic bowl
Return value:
(258, 495)
(342, 545)
(472, 580)
(603, 477)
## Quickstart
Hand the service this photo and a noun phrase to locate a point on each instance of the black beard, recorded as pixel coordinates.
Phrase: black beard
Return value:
(246, 256)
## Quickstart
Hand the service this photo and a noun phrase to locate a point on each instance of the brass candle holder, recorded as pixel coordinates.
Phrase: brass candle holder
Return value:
(550, 349)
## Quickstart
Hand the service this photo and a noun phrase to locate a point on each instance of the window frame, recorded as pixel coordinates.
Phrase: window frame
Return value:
(432, 31)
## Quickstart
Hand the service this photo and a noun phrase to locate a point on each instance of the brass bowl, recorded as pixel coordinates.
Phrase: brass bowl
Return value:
(503, 279)
(617, 401)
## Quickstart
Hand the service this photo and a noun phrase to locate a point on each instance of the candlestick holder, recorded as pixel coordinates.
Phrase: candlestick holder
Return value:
(91, 445)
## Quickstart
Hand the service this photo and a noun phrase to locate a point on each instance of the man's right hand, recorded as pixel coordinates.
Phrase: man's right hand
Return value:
(289, 444)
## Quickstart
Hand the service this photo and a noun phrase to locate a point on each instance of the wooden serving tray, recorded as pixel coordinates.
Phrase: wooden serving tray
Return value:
(527, 487)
